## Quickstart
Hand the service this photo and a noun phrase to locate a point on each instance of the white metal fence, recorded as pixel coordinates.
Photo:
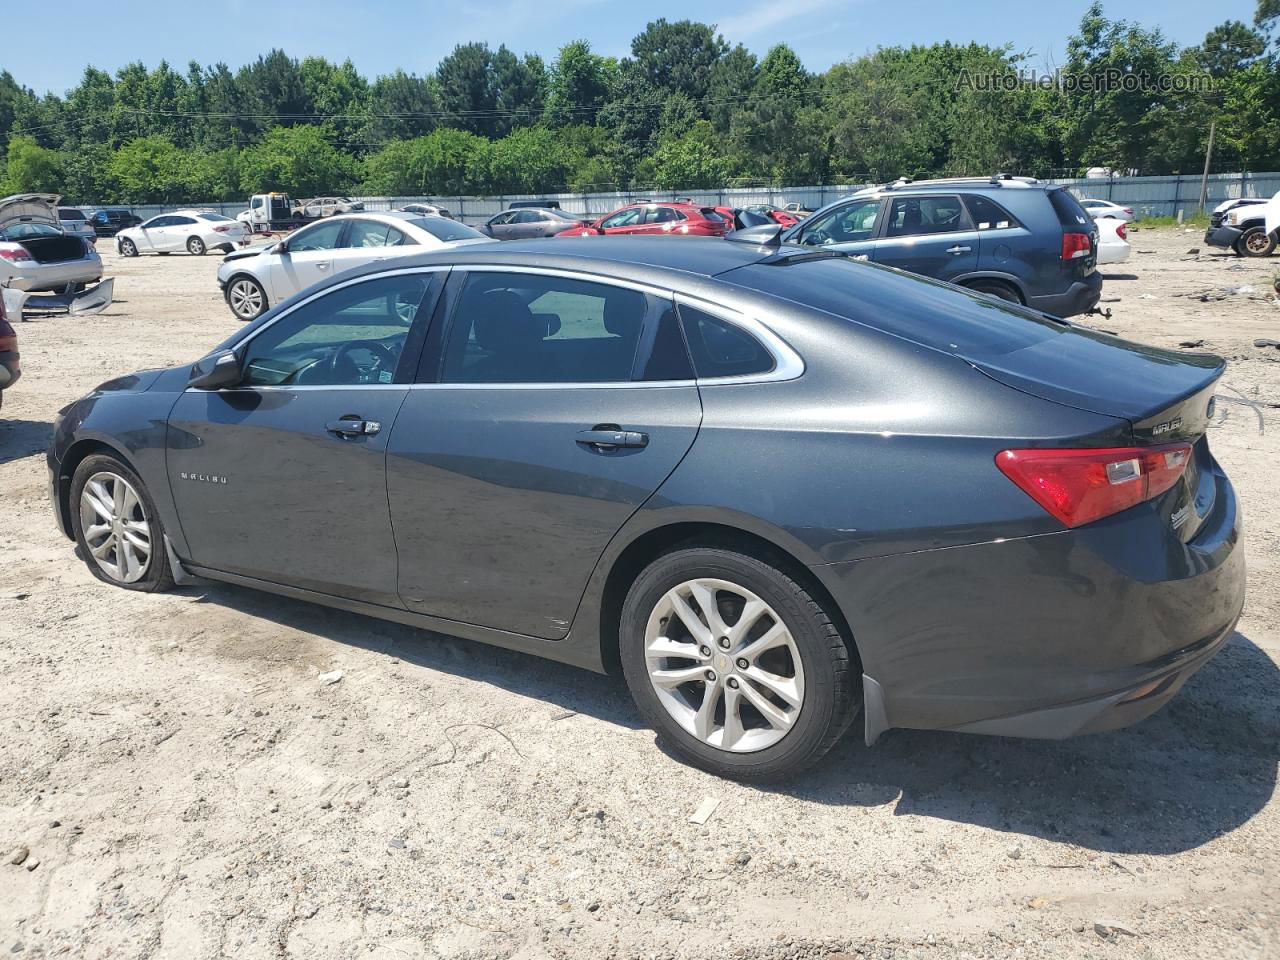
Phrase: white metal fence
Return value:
(1149, 196)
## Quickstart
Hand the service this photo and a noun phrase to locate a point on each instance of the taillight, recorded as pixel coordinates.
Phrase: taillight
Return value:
(15, 254)
(1080, 486)
(1128, 210)
(1075, 245)
(1120, 232)
(222, 228)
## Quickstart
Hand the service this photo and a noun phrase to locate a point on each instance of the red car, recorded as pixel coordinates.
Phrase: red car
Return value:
(655, 219)
(776, 214)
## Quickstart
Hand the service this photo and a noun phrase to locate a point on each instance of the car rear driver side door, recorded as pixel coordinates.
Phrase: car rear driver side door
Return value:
(552, 406)
(283, 477)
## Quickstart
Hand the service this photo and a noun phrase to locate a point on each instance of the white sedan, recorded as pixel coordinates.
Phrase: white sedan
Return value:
(194, 231)
(1106, 210)
(1113, 240)
(253, 281)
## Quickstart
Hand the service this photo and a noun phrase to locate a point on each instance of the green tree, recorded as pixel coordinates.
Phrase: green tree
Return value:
(691, 161)
(1229, 47)
(679, 57)
(436, 164)
(300, 160)
(577, 85)
(31, 168)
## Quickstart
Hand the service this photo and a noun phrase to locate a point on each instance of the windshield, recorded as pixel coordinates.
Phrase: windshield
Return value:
(25, 231)
(446, 230)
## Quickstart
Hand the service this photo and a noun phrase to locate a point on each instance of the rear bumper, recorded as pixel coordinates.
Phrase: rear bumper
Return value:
(1045, 636)
(1081, 297)
(1223, 236)
(40, 277)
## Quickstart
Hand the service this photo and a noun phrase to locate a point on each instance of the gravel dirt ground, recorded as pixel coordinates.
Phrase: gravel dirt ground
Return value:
(176, 781)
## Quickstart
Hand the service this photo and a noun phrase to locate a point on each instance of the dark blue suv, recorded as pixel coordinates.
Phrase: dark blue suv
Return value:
(1011, 237)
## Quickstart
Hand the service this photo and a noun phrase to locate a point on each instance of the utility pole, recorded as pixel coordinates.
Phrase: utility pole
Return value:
(1208, 155)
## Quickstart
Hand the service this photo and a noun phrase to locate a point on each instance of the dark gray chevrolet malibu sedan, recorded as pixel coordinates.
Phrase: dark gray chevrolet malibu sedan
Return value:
(770, 485)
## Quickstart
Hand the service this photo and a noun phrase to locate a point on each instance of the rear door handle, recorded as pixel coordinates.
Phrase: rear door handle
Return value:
(958, 249)
(322, 265)
(353, 427)
(612, 438)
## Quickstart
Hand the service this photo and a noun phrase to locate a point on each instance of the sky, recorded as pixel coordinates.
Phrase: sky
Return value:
(381, 35)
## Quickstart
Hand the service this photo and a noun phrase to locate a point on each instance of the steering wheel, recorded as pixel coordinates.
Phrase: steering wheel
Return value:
(343, 369)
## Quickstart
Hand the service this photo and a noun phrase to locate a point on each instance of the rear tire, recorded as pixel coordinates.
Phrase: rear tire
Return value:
(789, 658)
(128, 248)
(1256, 242)
(117, 529)
(195, 247)
(995, 288)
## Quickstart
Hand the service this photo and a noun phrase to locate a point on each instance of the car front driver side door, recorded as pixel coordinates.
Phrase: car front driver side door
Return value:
(307, 258)
(849, 228)
(283, 477)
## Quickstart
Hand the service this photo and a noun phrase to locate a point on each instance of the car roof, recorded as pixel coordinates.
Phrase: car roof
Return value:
(640, 259)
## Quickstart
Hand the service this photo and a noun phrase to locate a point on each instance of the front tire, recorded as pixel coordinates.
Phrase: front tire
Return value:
(116, 526)
(1256, 242)
(128, 248)
(195, 247)
(246, 298)
(736, 666)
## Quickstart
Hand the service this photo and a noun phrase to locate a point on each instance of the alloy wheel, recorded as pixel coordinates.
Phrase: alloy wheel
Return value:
(724, 665)
(246, 299)
(127, 248)
(116, 529)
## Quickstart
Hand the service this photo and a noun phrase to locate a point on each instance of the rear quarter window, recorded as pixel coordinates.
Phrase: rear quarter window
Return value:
(1068, 209)
(721, 349)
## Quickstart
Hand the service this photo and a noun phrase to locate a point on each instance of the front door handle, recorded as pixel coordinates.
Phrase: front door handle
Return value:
(958, 250)
(353, 427)
(322, 265)
(609, 437)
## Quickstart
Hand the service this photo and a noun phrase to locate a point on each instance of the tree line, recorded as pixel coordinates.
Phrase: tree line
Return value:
(684, 110)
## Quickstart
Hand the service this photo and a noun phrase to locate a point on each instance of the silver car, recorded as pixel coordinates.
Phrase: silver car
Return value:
(37, 256)
(253, 281)
(75, 223)
(528, 222)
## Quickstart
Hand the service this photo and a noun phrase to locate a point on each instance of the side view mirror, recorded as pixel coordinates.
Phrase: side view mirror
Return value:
(281, 247)
(216, 371)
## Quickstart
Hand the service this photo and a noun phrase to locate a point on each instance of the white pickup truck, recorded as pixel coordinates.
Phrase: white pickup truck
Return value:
(1249, 225)
(276, 212)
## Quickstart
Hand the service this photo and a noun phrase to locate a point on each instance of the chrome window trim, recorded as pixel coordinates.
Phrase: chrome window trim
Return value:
(787, 363)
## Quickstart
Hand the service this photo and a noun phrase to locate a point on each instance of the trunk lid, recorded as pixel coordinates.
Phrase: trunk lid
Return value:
(30, 208)
(1167, 397)
(1162, 393)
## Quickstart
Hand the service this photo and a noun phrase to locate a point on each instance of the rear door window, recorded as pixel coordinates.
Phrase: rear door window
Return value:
(528, 328)
(987, 214)
(915, 216)
(369, 233)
